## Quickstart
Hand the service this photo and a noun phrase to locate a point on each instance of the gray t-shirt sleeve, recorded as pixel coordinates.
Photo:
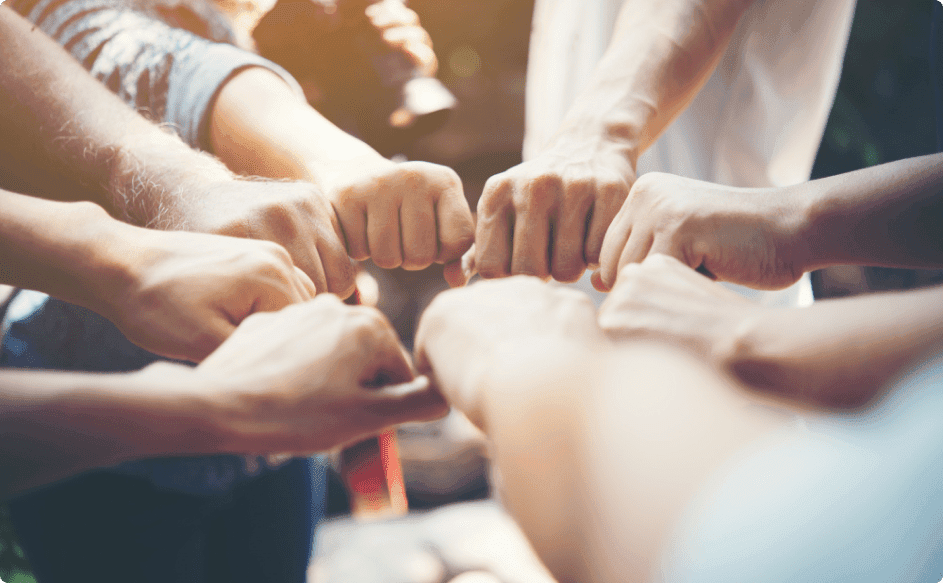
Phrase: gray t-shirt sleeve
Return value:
(170, 75)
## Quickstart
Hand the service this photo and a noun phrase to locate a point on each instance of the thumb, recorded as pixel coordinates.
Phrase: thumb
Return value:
(416, 400)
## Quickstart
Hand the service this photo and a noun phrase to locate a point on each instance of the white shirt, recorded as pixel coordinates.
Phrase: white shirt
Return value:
(758, 120)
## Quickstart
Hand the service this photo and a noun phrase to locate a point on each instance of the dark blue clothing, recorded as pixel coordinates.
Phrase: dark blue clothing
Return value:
(199, 519)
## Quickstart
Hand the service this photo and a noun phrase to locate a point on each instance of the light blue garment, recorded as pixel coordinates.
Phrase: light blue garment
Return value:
(853, 498)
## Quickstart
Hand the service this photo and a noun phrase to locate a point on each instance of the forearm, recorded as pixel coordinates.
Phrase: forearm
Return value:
(53, 425)
(661, 55)
(836, 352)
(57, 117)
(600, 450)
(259, 126)
(889, 215)
(73, 251)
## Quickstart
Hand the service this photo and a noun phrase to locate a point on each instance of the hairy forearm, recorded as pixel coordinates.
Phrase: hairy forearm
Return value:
(53, 425)
(56, 117)
(889, 215)
(837, 353)
(661, 55)
(260, 127)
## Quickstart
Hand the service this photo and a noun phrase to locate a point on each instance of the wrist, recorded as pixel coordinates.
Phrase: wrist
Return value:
(182, 408)
(824, 224)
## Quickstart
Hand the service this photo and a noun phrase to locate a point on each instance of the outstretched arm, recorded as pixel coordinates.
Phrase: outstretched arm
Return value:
(836, 353)
(56, 118)
(564, 199)
(888, 215)
(268, 389)
(593, 440)
(636, 462)
(411, 214)
(174, 293)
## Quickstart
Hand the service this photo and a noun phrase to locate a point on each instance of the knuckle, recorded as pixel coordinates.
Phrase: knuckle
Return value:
(542, 193)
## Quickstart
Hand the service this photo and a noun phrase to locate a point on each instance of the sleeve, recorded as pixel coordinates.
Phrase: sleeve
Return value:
(168, 74)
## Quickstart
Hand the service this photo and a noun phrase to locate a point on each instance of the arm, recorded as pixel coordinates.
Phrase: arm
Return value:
(661, 55)
(137, 171)
(268, 389)
(177, 294)
(593, 440)
(888, 215)
(410, 214)
(835, 353)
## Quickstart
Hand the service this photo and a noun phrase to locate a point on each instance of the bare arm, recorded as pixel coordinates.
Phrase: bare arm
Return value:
(410, 214)
(835, 353)
(56, 117)
(889, 215)
(594, 441)
(62, 121)
(300, 380)
(661, 55)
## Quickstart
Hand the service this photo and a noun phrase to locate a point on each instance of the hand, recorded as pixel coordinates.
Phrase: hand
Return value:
(402, 215)
(548, 216)
(464, 333)
(663, 298)
(746, 236)
(296, 215)
(309, 378)
(185, 293)
(400, 29)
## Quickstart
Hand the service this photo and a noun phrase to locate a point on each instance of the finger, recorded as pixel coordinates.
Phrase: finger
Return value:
(418, 225)
(608, 204)
(206, 342)
(311, 265)
(493, 232)
(417, 400)
(383, 234)
(455, 225)
(636, 249)
(388, 362)
(454, 273)
(353, 222)
(568, 260)
(307, 287)
(616, 239)
(531, 245)
(339, 271)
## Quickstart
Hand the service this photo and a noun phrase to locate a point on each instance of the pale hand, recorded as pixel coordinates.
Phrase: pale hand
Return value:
(548, 216)
(186, 292)
(310, 377)
(408, 215)
(750, 236)
(296, 215)
(661, 298)
(467, 332)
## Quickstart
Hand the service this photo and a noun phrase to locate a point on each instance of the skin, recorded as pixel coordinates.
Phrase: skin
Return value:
(317, 390)
(825, 355)
(580, 423)
(408, 215)
(766, 238)
(607, 448)
(177, 294)
(103, 151)
(548, 216)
